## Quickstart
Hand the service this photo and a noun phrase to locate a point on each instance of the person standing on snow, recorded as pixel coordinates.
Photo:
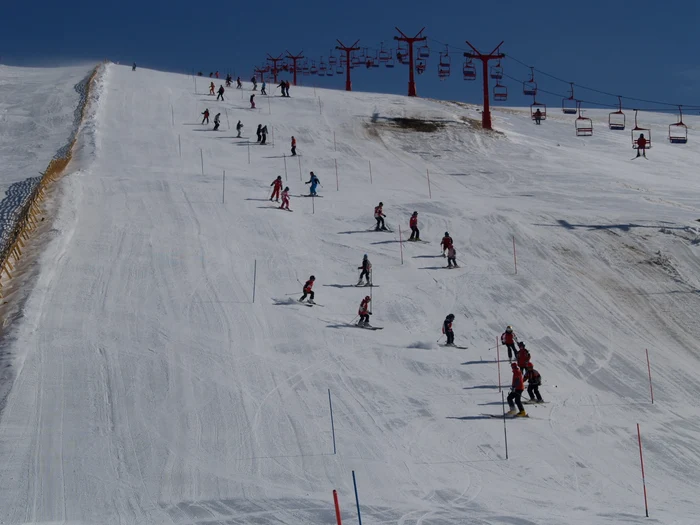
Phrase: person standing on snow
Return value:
(286, 87)
(252, 101)
(255, 83)
(445, 243)
(509, 339)
(282, 85)
(447, 330)
(313, 180)
(239, 84)
(522, 357)
(216, 74)
(534, 380)
(379, 217)
(258, 132)
(229, 80)
(364, 312)
(413, 224)
(263, 134)
(452, 257)
(308, 291)
(516, 392)
(366, 273)
(285, 199)
(212, 87)
(206, 116)
(221, 93)
(294, 147)
(133, 67)
(263, 88)
(277, 183)
(239, 127)
(217, 121)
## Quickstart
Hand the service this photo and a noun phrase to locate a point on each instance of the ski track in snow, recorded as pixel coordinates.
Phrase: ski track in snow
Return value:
(146, 386)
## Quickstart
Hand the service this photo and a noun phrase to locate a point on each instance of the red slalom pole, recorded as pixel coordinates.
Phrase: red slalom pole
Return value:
(337, 507)
(651, 388)
(401, 243)
(515, 259)
(498, 361)
(641, 459)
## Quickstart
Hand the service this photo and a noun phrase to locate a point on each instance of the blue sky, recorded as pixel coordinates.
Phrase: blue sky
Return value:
(644, 49)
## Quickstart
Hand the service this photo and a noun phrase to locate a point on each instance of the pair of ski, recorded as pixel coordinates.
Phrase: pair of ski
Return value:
(309, 195)
(367, 327)
(310, 304)
(418, 240)
(283, 209)
(506, 416)
(455, 346)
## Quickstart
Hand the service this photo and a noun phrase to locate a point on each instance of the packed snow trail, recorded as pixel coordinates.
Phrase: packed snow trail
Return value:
(154, 391)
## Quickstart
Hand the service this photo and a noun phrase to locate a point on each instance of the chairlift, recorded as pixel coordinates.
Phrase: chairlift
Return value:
(616, 119)
(322, 67)
(390, 63)
(384, 55)
(332, 60)
(638, 132)
(420, 66)
(497, 71)
(569, 105)
(678, 132)
(537, 106)
(583, 125)
(500, 92)
(423, 52)
(402, 54)
(530, 86)
(444, 65)
(313, 70)
(469, 70)
(375, 60)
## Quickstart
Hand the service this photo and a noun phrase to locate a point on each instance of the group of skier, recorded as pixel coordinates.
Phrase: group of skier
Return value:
(523, 371)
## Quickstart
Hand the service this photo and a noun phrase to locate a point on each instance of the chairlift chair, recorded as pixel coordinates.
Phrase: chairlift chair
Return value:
(530, 86)
(402, 54)
(332, 60)
(638, 131)
(355, 60)
(583, 125)
(500, 92)
(535, 106)
(569, 105)
(322, 68)
(313, 70)
(497, 71)
(423, 52)
(469, 70)
(384, 55)
(420, 66)
(390, 63)
(444, 65)
(678, 132)
(616, 119)
(340, 70)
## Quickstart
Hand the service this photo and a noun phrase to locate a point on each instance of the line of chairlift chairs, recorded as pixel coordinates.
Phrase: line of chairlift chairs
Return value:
(677, 132)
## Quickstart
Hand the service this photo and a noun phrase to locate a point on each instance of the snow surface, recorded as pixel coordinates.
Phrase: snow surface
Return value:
(150, 389)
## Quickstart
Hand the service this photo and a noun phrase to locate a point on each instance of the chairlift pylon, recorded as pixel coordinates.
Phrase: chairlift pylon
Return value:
(616, 119)
(678, 132)
(569, 105)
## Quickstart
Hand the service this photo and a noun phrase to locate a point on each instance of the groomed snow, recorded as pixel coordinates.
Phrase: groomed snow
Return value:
(151, 390)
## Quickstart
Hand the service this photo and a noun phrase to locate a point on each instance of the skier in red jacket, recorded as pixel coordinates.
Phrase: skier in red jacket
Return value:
(534, 380)
(445, 243)
(509, 338)
(285, 199)
(413, 224)
(308, 291)
(379, 216)
(523, 356)
(516, 392)
(364, 312)
(277, 187)
(642, 146)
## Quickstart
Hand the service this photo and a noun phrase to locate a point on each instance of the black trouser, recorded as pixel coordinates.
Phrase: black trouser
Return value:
(220, 95)
(294, 151)
(380, 223)
(415, 233)
(264, 139)
(263, 92)
(451, 261)
(450, 337)
(239, 134)
(216, 125)
(364, 318)
(514, 399)
(511, 350)
(310, 294)
(365, 273)
(205, 119)
(534, 389)
(259, 136)
(537, 121)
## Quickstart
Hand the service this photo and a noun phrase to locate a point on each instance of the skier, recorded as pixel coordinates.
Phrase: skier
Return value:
(413, 223)
(255, 83)
(534, 380)
(239, 84)
(285, 199)
(263, 132)
(308, 291)
(277, 183)
(538, 117)
(252, 101)
(516, 392)
(239, 127)
(379, 217)
(221, 93)
(229, 80)
(211, 74)
(447, 330)
(282, 86)
(258, 132)
(286, 87)
(262, 88)
(211, 88)
(509, 339)
(294, 147)
(313, 180)
(523, 356)
(216, 74)
(217, 121)
(206, 116)
(366, 271)
(364, 312)
(642, 146)
(445, 243)
(452, 257)
(133, 67)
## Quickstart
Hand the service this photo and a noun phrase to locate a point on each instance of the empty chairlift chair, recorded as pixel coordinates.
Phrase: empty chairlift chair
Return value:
(530, 86)
(583, 125)
(500, 92)
(569, 104)
(616, 119)
(469, 70)
(678, 132)
(444, 65)
(497, 71)
(638, 131)
(423, 52)
(384, 55)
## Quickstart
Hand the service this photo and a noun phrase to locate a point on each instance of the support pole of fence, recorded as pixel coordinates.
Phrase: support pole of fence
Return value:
(255, 277)
(370, 171)
(505, 432)
(337, 181)
(223, 189)
(337, 507)
(248, 151)
(330, 404)
(498, 361)
(651, 388)
(357, 498)
(430, 193)
(641, 460)
(285, 166)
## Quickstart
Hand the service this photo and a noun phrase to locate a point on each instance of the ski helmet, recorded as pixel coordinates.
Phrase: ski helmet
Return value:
(509, 328)
(381, 204)
(415, 213)
(514, 366)
(521, 344)
(451, 316)
(447, 234)
(364, 256)
(528, 365)
(279, 177)
(368, 298)
(312, 278)
(286, 188)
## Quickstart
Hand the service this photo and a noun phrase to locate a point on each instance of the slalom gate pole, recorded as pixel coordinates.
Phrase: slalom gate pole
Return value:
(313, 205)
(255, 277)
(641, 460)
(179, 145)
(370, 171)
(505, 432)
(330, 404)
(172, 114)
(248, 151)
(301, 177)
(498, 362)
(223, 189)
(357, 498)
(337, 507)
(228, 123)
(515, 259)
(337, 181)
(335, 146)
(201, 156)
(430, 193)
(401, 243)
(284, 155)
(651, 388)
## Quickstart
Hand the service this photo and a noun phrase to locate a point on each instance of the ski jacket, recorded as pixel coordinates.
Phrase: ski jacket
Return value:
(205, 113)
(508, 338)
(251, 98)
(277, 183)
(518, 383)
(413, 223)
(446, 242)
(239, 125)
(523, 357)
(451, 252)
(378, 212)
(217, 118)
(294, 142)
(313, 180)
(641, 143)
(308, 285)
(285, 196)
(264, 130)
(221, 90)
(446, 327)
(366, 265)
(364, 307)
(533, 377)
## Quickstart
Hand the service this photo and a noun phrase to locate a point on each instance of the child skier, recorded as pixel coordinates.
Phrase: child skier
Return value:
(445, 243)
(534, 380)
(294, 147)
(516, 392)
(229, 80)
(452, 257)
(239, 127)
(217, 121)
(277, 183)
(211, 88)
(523, 356)
(313, 180)
(206, 116)
(447, 330)
(239, 84)
(379, 217)
(364, 312)
(285, 199)
(258, 132)
(509, 339)
(263, 133)
(413, 224)
(308, 291)
(255, 83)
(262, 88)
(366, 273)
(252, 101)
(221, 93)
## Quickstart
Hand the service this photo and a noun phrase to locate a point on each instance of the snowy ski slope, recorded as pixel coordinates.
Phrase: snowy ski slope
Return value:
(149, 388)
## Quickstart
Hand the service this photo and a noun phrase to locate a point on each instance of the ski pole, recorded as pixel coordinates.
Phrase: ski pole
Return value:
(439, 338)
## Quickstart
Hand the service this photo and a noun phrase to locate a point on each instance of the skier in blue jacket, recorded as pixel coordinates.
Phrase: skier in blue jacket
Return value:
(314, 183)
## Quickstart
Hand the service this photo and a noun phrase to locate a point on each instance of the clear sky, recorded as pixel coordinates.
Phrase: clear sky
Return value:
(645, 49)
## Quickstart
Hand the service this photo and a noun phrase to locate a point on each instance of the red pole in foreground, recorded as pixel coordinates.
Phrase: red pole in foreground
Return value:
(498, 360)
(294, 59)
(493, 55)
(348, 65)
(337, 507)
(411, 70)
(641, 459)
(651, 388)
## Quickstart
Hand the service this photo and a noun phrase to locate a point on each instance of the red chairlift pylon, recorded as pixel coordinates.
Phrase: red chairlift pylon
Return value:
(583, 125)
(348, 50)
(616, 119)
(294, 59)
(411, 65)
(274, 69)
(678, 132)
(493, 55)
(638, 132)
(570, 106)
